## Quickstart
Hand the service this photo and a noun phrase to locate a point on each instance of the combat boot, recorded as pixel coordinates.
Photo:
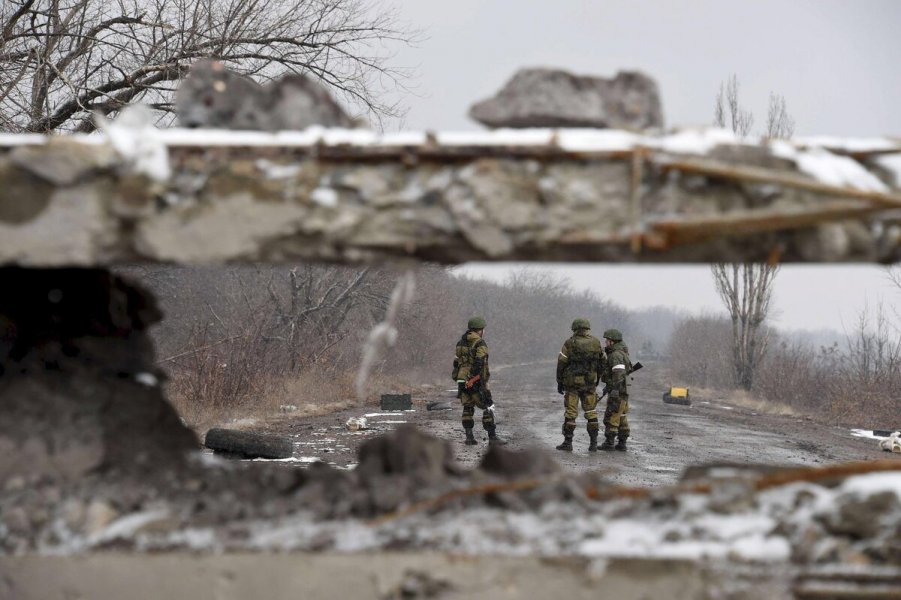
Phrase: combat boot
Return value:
(493, 440)
(470, 439)
(621, 444)
(609, 438)
(593, 444)
(567, 445)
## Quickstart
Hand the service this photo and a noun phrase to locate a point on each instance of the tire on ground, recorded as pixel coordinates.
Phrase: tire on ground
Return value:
(245, 444)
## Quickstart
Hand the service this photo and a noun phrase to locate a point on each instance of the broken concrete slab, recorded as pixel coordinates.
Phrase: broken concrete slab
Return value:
(556, 98)
(552, 195)
(79, 390)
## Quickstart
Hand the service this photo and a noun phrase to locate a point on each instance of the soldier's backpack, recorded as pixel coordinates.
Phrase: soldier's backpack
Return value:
(582, 367)
(465, 356)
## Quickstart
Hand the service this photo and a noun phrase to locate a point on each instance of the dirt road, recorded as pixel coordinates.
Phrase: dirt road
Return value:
(665, 438)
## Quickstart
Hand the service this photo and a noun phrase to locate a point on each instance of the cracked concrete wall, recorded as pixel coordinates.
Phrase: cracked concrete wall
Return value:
(79, 390)
(75, 201)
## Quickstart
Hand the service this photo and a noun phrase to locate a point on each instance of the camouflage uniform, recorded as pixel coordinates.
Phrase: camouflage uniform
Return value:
(579, 367)
(618, 367)
(471, 360)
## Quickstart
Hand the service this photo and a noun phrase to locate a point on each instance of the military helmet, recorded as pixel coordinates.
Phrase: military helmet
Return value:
(477, 323)
(613, 334)
(581, 324)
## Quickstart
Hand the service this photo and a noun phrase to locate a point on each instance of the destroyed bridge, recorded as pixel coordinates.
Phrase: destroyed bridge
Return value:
(354, 196)
(83, 414)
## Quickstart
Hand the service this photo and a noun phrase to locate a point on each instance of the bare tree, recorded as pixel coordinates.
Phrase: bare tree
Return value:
(779, 124)
(728, 110)
(729, 113)
(746, 290)
(312, 315)
(61, 60)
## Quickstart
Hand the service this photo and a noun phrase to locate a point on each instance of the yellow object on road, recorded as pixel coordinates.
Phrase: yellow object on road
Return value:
(677, 395)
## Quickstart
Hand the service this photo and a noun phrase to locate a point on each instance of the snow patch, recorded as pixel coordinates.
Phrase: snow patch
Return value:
(128, 525)
(324, 196)
(696, 141)
(138, 142)
(829, 168)
(597, 140)
(872, 483)
(865, 433)
(389, 414)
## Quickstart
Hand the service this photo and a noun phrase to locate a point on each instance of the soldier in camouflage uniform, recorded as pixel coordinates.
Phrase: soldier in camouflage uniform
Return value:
(471, 374)
(618, 367)
(579, 367)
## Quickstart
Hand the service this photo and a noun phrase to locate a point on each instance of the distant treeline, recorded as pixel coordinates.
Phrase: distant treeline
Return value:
(246, 339)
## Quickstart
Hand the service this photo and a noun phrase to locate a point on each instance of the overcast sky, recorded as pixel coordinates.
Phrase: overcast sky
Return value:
(835, 62)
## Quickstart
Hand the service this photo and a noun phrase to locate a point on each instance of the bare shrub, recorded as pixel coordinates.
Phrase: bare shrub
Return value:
(792, 374)
(779, 124)
(221, 376)
(867, 380)
(857, 383)
(728, 111)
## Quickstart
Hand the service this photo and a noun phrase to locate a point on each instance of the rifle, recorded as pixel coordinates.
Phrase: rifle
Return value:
(484, 394)
(636, 367)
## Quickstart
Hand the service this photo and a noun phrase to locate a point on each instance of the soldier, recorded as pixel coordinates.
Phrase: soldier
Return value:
(471, 374)
(579, 367)
(618, 367)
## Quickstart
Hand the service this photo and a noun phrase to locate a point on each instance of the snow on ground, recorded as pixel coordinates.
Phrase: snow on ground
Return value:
(866, 433)
(388, 414)
(292, 459)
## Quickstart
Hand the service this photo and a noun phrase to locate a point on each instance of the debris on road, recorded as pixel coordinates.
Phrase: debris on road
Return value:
(356, 424)
(892, 443)
(408, 492)
(884, 432)
(438, 405)
(247, 444)
(677, 395)
(396, 402)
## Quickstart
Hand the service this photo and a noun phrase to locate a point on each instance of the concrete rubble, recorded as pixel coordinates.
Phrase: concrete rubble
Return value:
(408, 494)
(555, 98)
(534, 194)
(96, 460)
